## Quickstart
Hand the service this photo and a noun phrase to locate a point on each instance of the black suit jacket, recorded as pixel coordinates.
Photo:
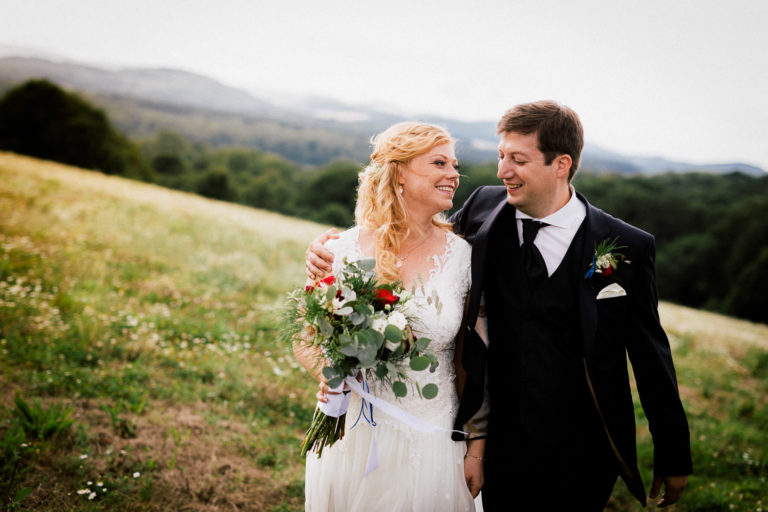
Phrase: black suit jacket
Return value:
(610, 329)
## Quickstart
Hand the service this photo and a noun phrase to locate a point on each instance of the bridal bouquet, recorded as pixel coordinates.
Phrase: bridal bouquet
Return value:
(361, 326)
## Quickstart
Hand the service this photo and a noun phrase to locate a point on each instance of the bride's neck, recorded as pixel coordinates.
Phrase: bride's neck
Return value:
(419, 230)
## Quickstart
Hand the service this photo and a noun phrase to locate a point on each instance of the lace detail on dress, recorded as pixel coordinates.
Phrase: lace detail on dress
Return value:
(438, 320)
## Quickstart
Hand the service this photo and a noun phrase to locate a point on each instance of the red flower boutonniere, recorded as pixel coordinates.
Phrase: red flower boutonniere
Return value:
(605, 260)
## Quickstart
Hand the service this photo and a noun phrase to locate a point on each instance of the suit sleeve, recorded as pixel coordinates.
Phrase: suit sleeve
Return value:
(459, 218)
(651, 358)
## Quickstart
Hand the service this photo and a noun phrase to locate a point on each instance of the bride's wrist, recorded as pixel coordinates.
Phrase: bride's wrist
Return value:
(470, 456)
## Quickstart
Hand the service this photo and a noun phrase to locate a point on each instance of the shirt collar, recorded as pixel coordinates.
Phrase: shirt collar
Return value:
(573, 212)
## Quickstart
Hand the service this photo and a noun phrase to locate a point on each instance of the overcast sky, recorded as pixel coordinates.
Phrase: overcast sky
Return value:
(681, 79)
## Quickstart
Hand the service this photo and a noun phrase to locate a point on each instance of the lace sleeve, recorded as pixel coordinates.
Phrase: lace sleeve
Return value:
(463, 265)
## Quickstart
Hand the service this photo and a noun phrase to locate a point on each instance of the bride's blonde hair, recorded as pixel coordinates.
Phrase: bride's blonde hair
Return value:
(380, 206)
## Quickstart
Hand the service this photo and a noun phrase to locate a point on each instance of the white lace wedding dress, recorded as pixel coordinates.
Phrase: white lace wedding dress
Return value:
(417, 471)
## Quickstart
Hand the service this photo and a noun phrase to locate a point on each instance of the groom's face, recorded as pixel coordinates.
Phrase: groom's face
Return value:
(531, 184)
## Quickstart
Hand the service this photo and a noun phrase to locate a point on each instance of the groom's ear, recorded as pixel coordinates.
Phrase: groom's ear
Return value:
(563, 165)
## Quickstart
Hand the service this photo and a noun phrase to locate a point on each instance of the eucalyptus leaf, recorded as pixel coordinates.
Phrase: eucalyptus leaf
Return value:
(422, 344)
(419, 363)
(329, 372)
(399, 389)
(367, 264)
(335, 382)
(330, 294)
(381, 370)
(429, 391)
(351, 350)
(326, 329)
(356, 318)
(344, 311)
(367, 357)
(378, 339)
(393, 334)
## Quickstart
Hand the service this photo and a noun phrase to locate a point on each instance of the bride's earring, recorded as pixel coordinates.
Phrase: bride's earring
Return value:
(400, 190)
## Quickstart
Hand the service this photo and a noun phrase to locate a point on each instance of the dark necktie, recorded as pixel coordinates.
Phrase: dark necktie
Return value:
(533, 262)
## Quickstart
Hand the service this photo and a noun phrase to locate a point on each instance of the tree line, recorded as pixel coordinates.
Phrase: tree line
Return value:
(712, 243)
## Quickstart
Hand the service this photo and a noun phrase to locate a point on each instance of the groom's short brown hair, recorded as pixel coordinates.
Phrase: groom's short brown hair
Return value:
(557, 127)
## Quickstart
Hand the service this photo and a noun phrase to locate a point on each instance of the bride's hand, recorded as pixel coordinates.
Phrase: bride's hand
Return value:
(473, 466)
(318, 259)
(324, 390)
(473, 474)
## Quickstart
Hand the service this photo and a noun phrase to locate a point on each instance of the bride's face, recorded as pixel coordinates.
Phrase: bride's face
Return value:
(430, 180)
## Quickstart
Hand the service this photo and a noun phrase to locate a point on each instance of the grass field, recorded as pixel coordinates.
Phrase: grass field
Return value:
(139, 368)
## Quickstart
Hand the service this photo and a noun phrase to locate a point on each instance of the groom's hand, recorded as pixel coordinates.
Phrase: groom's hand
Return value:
(318, 258)
(673, 489)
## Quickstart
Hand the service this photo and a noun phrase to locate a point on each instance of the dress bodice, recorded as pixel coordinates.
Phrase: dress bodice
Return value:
(437, 305)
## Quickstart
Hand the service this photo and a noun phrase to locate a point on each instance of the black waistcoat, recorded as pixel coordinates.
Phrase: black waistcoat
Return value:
(541, 410)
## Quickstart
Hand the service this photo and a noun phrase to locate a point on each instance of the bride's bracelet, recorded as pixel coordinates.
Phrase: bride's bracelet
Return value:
(473, 457)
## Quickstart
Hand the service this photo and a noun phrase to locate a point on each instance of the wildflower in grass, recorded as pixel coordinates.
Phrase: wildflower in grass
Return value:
(136, 474)
(84, 456)
(100, 484)
(92, 495)
(83, 491)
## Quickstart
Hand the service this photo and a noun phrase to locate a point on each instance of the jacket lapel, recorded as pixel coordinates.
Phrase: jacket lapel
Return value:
(594, 231)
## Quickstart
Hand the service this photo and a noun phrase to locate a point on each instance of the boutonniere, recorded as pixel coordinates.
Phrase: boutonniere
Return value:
(606, 259)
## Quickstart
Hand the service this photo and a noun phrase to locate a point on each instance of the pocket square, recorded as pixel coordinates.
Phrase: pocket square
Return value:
(611, 291)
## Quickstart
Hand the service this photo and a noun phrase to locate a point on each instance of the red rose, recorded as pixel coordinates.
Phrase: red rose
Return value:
(328, 280)
(385, 297)
(608, 270)
(309, 288)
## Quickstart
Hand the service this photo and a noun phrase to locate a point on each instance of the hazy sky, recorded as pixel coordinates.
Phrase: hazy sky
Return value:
(681, 79)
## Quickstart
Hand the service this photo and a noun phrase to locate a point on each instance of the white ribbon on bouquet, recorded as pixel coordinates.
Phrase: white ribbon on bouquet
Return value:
(338, 403)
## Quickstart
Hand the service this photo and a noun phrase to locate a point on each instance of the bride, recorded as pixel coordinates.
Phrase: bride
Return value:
(411, 179)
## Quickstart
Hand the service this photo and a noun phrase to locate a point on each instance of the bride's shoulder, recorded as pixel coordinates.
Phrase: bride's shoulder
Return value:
(457, 243)
(347, 239)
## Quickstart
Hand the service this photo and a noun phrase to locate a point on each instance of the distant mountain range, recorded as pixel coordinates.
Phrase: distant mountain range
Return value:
(306, 130)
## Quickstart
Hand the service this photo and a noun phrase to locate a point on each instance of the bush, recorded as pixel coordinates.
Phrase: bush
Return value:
(215, 184)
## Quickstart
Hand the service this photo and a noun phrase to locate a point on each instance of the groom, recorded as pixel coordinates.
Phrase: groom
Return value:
(568, 292)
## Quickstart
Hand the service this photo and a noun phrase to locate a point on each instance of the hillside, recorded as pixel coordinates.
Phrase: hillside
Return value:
(152, 313)
(306, 130)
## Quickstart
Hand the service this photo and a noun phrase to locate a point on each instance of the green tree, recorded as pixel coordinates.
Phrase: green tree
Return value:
(270, 191)
(40, 119)
(216, 185)
(335, 183)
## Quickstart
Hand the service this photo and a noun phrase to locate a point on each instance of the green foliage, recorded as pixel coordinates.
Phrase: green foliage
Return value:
(216, 185)
(40, 423)
(38, 118)
(330, 192)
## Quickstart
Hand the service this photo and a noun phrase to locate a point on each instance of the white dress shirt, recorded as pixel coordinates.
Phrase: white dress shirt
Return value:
(553, 240)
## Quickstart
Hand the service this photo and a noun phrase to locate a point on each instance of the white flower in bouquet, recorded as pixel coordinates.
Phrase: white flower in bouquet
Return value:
(397, 319)
(339, 303)
(379, 322)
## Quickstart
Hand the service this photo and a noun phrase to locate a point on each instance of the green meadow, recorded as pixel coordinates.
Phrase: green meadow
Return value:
(140, 367)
